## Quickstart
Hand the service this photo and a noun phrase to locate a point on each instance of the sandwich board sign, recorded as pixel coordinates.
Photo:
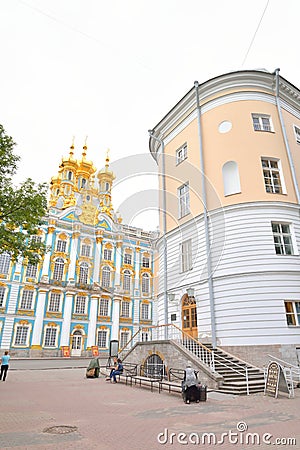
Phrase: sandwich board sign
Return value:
(275, 380)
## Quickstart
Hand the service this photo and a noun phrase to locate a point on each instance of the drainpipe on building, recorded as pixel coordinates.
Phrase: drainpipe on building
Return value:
(286, 142)
(162, 145)
(206, 224)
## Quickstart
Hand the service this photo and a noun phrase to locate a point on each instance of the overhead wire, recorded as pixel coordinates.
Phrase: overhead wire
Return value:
(257, 28)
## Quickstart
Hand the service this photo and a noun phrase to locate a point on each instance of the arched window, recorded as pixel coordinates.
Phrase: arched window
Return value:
(105, 276)
(231, 178)
(58, 269)
(70, 175)
(145, 283)
(83, 273)
(126, 280)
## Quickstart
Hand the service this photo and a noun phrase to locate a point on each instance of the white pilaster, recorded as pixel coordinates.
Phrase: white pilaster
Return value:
(66, 324)
(91, 339)
(46, 263)
(96, 274)
(137, 268)
(73, 255)
(118, 264)
(116, 317)
(39, 317)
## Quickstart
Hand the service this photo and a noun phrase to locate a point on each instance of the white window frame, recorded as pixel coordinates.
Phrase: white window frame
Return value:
(3, 295)
(5, 259)
(125, 309)
(104, 307)
(297, 133)
(123, 340)
(80, 304)
(27, 300)
(127, 280)
(294, 314)
(261, 126)
(145, 283)
(181, 153)
(61, 246)
(59, 268)
(128, 259)
(49, 334)
(145, 311)
(107, 254)
(102, 338)
(186, 256)
(146, 262)
(54, 302)
(273, 172)
(83, 276)
(31, 271)
(183, 194)
(281, 237)
(106, 276)
(21, 331)
(86, 250)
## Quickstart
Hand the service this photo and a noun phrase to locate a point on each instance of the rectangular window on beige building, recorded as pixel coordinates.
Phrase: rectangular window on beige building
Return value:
(272, 176)
(262, 122)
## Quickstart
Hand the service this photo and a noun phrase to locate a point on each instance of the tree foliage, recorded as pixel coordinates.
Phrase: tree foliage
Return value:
(22, 208)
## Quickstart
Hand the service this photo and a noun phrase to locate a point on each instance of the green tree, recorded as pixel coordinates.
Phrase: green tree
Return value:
(22, 208)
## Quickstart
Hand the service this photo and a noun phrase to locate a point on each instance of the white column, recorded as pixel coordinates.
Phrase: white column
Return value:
(137, 268)
(116, 317)
(66, 325)
(73, 256)
(91, 338)
(96, 274)
(39, 317)
(46, 263)
(118, 263)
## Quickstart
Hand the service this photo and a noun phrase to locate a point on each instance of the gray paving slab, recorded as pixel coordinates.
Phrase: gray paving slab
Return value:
(115, 416)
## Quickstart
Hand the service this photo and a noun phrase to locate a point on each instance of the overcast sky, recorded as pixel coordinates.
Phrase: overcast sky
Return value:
(110, 70)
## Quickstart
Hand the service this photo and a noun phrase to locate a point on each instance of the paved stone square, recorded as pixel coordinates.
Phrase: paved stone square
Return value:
(115, 416)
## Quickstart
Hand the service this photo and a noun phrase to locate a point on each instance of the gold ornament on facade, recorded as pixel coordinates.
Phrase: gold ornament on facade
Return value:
(89, 215)
(75, 234)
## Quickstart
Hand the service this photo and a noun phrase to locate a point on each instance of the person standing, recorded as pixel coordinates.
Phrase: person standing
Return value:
(4, 365)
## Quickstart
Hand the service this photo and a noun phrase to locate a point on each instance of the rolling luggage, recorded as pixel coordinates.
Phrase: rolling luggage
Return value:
(191, 394)
(203, 393)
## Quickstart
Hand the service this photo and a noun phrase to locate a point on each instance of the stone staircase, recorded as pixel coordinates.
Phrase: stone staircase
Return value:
(233, 371)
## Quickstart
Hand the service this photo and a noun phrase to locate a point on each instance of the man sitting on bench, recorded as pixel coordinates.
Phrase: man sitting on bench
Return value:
(117, 371)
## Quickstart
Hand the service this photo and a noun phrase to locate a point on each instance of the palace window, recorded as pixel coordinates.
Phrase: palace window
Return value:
(85, 250)
(61, 246)
(31, 271)
(186, 255)
(80, 304)
(125, 309)
(21, 336)
(103, 307)
(107, 254)
(272, 175)
(145, 283)
(126, 280)
(145, 311)
(184, 200)
(50, 337)
(261, 122)
(127, 258)
(297, 134)
(282, 238)
(292, 311)
(102, 338)
(54, 302)
(231, 178)
(83, 273)
(124, 338)
(4, 262)
(2, 296)
(27, 299)
(146, 261)
(58, 271)
(105, 280)
(181, 154)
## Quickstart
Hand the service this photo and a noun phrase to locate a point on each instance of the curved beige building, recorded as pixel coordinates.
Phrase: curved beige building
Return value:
(228, 155)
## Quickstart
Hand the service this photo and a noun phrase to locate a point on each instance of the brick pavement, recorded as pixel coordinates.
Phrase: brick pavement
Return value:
(115, 416)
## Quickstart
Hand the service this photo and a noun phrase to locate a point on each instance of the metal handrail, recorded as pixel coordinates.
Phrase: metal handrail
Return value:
(237, 371)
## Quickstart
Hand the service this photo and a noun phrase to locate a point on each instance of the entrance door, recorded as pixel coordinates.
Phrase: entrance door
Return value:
(189, 316)
(76, 344)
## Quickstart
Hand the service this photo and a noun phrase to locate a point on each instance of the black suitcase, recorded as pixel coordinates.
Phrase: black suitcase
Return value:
(191, 394)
